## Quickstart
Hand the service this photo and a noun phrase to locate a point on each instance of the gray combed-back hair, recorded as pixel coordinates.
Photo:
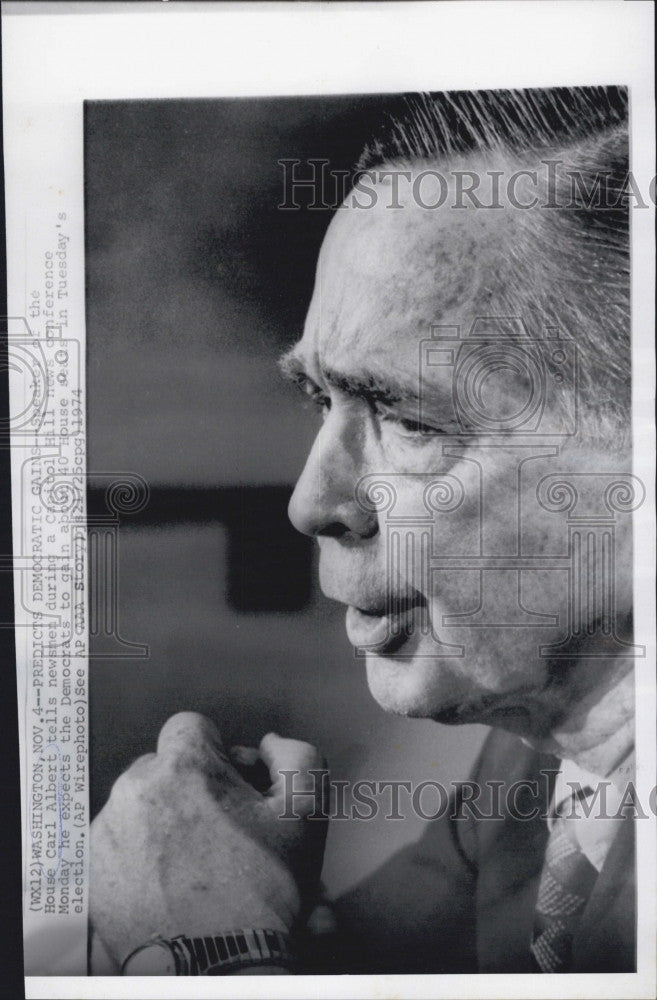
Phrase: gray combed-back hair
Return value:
(565, 266)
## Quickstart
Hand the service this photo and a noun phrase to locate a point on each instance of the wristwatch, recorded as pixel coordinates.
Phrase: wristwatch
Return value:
(208, 956)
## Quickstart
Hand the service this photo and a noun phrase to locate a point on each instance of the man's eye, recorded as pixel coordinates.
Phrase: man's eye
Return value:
(416, 427)
(319, 399)
(405, 426)
(323, 403)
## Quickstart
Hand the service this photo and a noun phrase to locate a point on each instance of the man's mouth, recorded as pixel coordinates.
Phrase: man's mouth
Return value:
(387, 629)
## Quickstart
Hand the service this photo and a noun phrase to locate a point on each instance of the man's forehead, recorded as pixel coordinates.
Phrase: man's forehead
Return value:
(402, 231)
(384, 276)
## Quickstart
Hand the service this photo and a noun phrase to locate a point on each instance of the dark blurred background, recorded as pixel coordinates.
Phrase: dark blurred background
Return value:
(196, 281)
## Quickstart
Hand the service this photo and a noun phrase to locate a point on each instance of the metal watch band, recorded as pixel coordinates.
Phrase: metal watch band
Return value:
(223, 953)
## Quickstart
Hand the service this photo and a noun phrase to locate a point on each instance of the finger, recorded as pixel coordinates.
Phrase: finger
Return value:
(299, 776)
(141, 765)
(244, 756)
(131, 781)
(189, 738)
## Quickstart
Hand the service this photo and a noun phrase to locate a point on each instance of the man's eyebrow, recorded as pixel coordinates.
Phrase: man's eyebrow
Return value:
(369, 385)
(292, 367)
(363, 384)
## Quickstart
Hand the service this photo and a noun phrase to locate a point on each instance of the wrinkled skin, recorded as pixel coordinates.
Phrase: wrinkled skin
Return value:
(184, 844)
(368, 315)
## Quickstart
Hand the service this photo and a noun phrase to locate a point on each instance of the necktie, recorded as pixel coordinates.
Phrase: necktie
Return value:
(566, 883)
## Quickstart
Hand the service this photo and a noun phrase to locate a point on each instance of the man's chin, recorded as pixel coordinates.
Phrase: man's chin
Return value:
(414, 685)
(424, 687)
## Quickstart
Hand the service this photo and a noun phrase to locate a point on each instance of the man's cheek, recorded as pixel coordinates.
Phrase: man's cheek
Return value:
(545, 592)
(433, 553)
(452, 592)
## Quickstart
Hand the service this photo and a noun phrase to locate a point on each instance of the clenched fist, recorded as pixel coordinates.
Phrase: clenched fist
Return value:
(185, 845)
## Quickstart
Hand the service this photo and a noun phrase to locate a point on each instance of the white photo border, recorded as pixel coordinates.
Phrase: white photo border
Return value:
(54, 60)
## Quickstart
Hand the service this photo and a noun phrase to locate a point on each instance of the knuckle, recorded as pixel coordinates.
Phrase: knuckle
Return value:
(141, 766)
(123, 788)
(184, 724)
(130, 783)
(190, 734)
(177, 767)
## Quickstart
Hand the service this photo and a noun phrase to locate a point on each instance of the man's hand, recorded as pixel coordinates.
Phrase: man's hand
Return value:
(185, 845)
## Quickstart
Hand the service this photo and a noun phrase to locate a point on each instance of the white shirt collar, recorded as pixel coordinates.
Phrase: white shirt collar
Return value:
(595, 831)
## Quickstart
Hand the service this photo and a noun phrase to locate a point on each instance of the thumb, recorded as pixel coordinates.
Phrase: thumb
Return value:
(299, 778)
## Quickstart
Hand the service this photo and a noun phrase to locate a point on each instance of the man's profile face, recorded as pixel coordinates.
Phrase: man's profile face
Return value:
(451, 642)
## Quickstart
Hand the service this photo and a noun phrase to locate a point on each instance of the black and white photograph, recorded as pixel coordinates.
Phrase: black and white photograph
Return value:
(331, 589)
(464, 377)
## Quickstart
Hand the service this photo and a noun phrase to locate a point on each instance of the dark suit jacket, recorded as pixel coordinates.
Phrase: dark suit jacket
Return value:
(462, 899)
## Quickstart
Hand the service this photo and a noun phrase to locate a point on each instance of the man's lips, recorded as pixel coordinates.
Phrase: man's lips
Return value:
(384, 631)
(378, 619)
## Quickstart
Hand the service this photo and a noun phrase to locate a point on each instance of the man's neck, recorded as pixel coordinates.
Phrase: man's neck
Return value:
(597, 733)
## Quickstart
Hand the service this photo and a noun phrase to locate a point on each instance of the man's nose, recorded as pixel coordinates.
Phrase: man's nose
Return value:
(324, 500)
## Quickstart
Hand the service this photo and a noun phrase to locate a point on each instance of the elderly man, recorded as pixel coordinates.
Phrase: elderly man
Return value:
(467, 345)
